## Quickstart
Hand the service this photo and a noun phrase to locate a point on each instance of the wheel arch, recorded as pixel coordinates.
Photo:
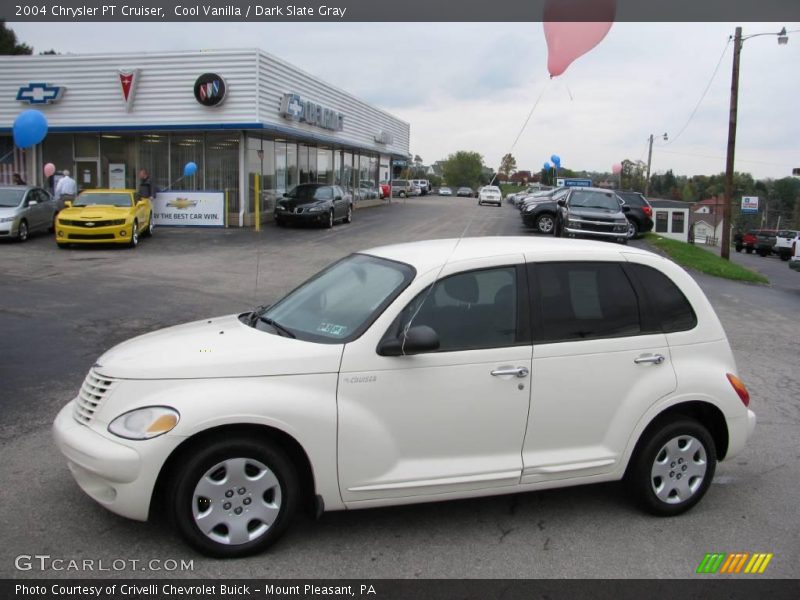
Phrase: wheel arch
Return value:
(705, 413)
(293, 449)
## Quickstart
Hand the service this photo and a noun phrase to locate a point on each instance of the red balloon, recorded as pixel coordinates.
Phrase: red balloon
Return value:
(569, 39)
(49, 169)
(616, 168)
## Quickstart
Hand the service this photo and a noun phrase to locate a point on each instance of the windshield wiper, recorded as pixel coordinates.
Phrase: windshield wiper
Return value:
(278, 327)
(256, 313)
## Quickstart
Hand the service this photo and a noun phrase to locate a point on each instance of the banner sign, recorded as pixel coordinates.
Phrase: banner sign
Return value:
(749, 205)
(195, 209)
(571, 182)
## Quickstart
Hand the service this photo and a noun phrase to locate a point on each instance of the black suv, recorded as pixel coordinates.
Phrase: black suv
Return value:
(540, 213)
(592, 212)
(640, 215)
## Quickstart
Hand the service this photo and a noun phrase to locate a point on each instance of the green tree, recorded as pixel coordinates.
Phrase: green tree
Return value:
(507, 165)
(633, 175)
(8, 42)
(463, 168)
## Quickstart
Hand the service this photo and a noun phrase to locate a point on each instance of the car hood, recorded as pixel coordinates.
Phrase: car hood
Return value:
(9, 211)
(95, 212)
(595, 213)
(219, 347)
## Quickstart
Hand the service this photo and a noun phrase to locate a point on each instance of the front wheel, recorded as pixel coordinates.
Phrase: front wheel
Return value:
(134, 241)
(672, 470)
(633, 230)
(349, 216)
(22, 231)
(234, 497)
(739, 247)
(545, 223)
(148, 232)
(329, 221)
(749, 250)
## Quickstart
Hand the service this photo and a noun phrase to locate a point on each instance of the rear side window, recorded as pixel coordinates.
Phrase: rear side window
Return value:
(671, 310)
(584, 300)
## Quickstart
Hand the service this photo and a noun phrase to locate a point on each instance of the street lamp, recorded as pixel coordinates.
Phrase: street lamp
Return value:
(650, 158)
(738, 41)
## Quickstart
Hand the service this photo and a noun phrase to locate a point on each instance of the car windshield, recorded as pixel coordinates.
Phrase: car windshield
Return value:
(310, 192)
(104, 199)
(338, 304)
(631, 199)
(586, 199)
(492, 189)
(9, 197)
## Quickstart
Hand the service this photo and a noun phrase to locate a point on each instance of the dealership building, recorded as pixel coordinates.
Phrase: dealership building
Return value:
(254, 125)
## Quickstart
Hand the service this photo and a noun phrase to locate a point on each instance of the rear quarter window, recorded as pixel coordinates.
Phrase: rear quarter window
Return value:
(669, 308)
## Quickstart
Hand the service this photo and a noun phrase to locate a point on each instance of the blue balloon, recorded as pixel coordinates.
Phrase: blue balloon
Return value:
(189, 169)
(556, 160)
(30, 128)
(546, 166)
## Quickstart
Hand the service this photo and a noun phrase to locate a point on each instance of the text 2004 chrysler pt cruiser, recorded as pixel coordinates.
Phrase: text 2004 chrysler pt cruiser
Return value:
(410, 373)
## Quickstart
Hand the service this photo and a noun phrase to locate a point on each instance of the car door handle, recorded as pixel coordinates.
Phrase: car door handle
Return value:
(518, 371)
(655, 359)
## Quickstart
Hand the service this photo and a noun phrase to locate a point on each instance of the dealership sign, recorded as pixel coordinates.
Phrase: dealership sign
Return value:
(384, 137)
(571, 182)
(195, 209)
(128, 82)
(40, 93)
(295, 108)
(210, 89)
(749, 205)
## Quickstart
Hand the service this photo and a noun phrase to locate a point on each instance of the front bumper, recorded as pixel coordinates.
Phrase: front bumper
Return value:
(9, 228)
(303, 217)
(592, 233)
(111, 234)
(118, 474)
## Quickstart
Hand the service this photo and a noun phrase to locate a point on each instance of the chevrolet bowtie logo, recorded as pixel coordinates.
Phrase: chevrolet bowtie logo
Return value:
(40, 93)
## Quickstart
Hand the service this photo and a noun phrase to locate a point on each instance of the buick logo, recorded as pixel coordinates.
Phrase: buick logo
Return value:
(210, 89)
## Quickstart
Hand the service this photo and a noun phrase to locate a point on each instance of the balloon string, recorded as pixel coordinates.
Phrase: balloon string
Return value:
(169, 187)
(525, 124)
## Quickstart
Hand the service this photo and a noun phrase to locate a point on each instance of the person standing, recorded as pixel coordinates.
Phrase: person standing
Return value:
(66, 189)
(18, 180)
(146, 189)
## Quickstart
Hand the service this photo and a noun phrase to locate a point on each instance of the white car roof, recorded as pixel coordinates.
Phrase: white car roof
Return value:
(432, 254)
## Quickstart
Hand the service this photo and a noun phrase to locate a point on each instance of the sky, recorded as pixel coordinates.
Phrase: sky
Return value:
(471, 86)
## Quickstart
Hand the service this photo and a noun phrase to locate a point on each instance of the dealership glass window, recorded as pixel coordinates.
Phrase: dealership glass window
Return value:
(222, 166)
(337, 167)
(312, 163)
(56, 149)
(185, 148)
(292, 178)
(302, 163)
(677, 222)
(348, 175)
(324, 165)
(86, 146)
(280, 167)
(662, 224)
(373, 169)
(118, 161)
(154, 157)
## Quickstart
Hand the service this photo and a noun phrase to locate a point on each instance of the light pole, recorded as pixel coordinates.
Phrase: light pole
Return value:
(738, 41)
(649, 159)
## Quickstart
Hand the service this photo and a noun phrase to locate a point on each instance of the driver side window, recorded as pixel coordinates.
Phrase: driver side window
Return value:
(468, 311)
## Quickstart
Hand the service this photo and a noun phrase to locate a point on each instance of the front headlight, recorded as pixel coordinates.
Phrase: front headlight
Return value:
(316, 209)
(7, 219)
(145, 423)
(118, 222)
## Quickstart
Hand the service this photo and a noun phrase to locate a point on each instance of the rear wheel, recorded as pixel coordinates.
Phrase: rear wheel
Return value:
(785, 255)
(673, 468)
(739, 247)
(234, 497)
(633, 230)
(749, 250)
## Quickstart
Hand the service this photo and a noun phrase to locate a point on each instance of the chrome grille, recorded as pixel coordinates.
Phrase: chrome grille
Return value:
(95, 387)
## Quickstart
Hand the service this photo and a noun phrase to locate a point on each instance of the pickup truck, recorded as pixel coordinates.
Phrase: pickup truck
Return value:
(759, 240)
(794, 259)
(783, 243)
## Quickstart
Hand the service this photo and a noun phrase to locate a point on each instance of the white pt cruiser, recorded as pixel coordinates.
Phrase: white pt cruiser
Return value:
(413, 373)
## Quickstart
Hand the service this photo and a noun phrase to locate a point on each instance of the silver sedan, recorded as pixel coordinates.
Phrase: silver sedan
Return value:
(25, 210)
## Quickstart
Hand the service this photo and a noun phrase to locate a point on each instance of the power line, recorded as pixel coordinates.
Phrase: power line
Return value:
(762, 162)
(705, 91)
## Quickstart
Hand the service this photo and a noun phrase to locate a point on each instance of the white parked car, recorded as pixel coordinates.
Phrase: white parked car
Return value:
(784, 241)
(412, 373)
(490, 194)
(445, 191)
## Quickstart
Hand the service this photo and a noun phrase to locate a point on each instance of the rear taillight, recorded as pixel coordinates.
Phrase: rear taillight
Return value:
(648, 211)
(738, 385)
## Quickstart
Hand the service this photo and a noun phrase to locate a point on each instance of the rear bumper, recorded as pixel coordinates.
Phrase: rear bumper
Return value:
(739, 431)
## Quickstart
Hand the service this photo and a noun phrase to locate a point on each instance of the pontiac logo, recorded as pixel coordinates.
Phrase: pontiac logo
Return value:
(40, 93)
(210, 89)
(128, 81)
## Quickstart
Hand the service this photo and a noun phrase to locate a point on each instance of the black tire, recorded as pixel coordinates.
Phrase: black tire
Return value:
(633, 230)
(148, 231)
(348, 218)
(763, 253)
(280, 222)
(183, 499)
(749, 250)
(699, 452)
(22, 231)
(545, 223)
(329, 222)
(784, 256)
(402, 194)
(134, 241)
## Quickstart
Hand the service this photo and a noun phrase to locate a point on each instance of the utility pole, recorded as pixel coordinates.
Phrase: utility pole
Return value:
(649, 160)
(725, 251)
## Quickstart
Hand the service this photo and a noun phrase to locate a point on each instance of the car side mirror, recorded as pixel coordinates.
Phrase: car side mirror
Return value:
(67, 203)
(626, 209)
(140, 202)
(562, 202)
(33, 202)
(419, 339)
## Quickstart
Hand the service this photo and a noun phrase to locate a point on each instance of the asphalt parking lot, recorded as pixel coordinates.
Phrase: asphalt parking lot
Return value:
(60, 309)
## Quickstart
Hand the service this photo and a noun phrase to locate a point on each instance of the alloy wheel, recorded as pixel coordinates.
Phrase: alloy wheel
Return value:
(679, 469)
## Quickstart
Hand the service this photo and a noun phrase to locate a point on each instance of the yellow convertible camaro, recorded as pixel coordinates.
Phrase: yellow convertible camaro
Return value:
(105, 217)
